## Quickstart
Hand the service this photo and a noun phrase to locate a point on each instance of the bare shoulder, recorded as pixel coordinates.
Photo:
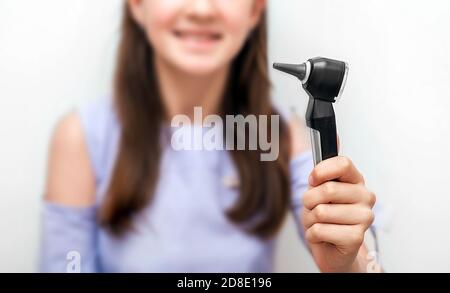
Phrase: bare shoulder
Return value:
(299, 138)
(70, 176)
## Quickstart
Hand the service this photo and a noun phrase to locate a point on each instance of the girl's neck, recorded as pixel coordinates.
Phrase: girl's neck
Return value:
(181, 92)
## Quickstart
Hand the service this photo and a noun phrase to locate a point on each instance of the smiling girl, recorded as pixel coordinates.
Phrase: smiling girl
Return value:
(119, 197)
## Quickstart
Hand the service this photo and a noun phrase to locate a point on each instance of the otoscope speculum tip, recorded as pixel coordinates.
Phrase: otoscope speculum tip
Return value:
(297, 70)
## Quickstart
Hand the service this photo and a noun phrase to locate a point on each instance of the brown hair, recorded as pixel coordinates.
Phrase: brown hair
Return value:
(264, 188)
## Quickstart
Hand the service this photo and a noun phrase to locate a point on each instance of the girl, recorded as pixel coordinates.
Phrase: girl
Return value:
(119, 198)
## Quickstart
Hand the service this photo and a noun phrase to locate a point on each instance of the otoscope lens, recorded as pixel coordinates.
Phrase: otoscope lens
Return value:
(344, 81)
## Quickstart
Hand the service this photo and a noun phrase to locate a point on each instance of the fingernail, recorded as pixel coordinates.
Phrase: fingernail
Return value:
(310, 180)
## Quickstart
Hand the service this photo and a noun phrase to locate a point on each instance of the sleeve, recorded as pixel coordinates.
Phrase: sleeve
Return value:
(300, 167)
(68, 239)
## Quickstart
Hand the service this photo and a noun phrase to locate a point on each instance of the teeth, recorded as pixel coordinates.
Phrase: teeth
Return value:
(197, 37)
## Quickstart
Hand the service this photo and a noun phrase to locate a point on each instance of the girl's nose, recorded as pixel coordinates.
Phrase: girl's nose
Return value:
(201, 9)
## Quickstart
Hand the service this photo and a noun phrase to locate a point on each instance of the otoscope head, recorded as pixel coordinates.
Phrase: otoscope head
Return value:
(322, 78)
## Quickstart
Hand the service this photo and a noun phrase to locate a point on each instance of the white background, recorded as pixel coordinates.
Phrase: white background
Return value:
(392, 119)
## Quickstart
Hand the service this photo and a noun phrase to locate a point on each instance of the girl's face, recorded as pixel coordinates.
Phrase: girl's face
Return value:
(197, 36)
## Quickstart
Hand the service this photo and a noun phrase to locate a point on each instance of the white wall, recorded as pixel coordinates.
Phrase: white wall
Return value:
(57, 54)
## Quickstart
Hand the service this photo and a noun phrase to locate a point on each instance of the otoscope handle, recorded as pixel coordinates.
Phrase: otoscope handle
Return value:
(321, 120)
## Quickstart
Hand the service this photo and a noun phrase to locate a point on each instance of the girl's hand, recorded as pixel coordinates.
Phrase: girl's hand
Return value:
(337, 211)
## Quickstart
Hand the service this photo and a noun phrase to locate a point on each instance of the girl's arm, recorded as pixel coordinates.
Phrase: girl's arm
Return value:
(69, 215)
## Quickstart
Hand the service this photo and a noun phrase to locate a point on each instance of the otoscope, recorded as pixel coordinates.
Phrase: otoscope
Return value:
(323, 80)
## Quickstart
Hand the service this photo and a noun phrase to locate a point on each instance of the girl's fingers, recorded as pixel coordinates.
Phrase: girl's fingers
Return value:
(342, 214)
(338, 193)
(339, 235)
(337, 168)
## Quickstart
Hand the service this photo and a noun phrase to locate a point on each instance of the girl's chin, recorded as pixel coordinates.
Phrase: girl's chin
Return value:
(200, 68)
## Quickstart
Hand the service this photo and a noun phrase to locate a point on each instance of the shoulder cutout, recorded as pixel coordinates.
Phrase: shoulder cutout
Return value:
(70, 176)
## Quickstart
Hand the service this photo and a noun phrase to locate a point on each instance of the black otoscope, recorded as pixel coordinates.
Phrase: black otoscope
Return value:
(324, 81)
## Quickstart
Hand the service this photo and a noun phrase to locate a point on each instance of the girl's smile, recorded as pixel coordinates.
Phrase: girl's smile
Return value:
(198, 40)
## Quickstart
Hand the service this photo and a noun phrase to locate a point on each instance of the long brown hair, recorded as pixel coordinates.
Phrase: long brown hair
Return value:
(264, 186)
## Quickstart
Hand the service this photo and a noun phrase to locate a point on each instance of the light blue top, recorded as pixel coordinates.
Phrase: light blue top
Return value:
(184, 229)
